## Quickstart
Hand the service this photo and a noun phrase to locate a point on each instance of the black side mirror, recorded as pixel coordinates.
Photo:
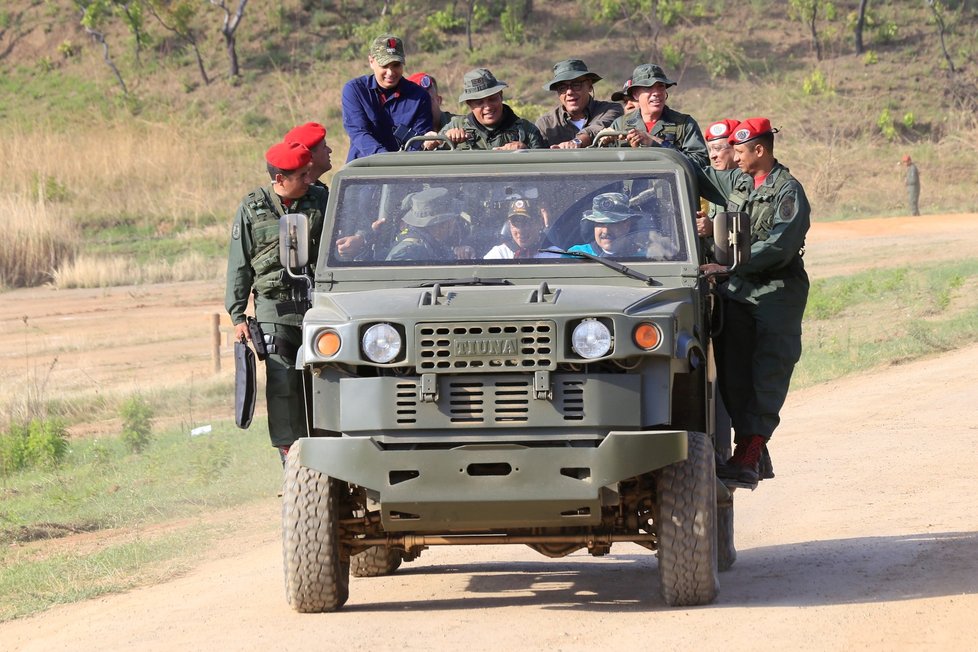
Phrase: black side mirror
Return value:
(731, 237)
(293, 241)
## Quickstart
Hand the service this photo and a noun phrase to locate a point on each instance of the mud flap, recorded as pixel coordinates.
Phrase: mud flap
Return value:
(245, 384)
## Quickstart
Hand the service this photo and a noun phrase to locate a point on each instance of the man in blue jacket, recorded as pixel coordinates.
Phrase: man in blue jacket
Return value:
(382, 110)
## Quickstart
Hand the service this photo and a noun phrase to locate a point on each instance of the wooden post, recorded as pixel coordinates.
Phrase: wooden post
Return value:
(216, 341)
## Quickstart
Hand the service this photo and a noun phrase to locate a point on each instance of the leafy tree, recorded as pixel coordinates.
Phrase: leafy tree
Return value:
(807, 12)
(230, 25)
(180, 17)
(94, 14)
(938, 9)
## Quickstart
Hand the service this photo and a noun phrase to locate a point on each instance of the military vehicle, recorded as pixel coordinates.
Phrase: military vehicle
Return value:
(459, 396)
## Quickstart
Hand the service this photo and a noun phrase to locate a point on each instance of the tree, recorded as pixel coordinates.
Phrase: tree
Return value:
(179, 16)
(228, 28)
(94, 14)
(807, 12)
(937, 8)
(860, 23)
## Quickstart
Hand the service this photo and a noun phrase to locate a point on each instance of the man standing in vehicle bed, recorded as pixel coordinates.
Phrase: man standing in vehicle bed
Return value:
(578, 117)
(254, 269)
(764, 299)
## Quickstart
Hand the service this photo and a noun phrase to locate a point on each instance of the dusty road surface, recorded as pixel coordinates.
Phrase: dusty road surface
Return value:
(867, 539)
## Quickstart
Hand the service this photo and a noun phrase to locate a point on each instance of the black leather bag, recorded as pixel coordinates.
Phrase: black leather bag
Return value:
(245, 384)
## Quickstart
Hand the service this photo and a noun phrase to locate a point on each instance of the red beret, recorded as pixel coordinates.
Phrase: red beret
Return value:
(423, 79)
(750, 129)
(721, 129)
(288, 156)
(309, 134)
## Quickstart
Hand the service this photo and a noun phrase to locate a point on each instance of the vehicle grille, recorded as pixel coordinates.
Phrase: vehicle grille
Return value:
(486, 346)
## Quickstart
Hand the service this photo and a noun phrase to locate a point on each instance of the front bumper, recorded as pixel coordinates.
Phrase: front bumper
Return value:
(492, 486)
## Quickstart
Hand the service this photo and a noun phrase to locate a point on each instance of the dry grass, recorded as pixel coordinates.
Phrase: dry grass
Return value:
(91, 272)
(38, 240)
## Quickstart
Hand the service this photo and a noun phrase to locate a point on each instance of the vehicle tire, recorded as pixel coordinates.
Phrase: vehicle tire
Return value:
(375, 561)
(726, 551)
(686, 506)
(317, 568)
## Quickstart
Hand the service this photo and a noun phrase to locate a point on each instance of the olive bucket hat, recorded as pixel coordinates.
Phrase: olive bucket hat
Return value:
(569, 70)
(430, 206)
(608, 208)
(649, 74)
(479, 83)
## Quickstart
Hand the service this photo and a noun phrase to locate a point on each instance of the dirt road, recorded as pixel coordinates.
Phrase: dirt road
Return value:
(868, 538)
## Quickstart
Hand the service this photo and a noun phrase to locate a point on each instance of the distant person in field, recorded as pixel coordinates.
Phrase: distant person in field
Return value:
(654, 124)
(439, 117)
(382, 110)
(491, 124)
(578, 117)
(764, 299)
(254, 270)
(912, 178)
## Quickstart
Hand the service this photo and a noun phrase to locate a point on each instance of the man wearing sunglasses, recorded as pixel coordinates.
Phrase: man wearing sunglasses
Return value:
(579, 116)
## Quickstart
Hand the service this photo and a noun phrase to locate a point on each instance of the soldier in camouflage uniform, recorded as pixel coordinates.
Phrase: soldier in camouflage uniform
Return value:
(254, 269)
(654, 124)
(434, 230)
(491, 124)
(764, 299)
(720, 150)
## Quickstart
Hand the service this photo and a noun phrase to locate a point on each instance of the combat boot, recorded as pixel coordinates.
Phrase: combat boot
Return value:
(744, 465)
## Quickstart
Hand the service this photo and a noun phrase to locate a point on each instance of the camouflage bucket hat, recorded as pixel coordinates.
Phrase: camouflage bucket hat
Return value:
(430, 206)
(608, 208)
(387, 48)
(479, 83)
(569, 70)
(648, 74)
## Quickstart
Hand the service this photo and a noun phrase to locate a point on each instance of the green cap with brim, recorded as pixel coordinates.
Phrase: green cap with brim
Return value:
(609, 208)
(569, 70)
(387, 49)
(479, 83)
(430, 206)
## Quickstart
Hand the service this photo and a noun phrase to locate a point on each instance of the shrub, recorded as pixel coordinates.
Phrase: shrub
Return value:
(870, 58)
(443, 21)
(137, 423)
(40, 443)
(815, 84)
(512, 25)
(886, 126)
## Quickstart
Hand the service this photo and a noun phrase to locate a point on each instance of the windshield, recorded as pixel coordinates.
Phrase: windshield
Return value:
(499, 220)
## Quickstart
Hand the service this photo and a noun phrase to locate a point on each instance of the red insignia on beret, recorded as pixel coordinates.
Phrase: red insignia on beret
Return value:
(422, 79)
(309, 134)
(288, 156)
(750, 129)
(721, 129)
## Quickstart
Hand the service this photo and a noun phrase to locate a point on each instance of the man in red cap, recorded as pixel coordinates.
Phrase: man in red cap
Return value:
(254, 270)
(912, 180)
(721, 156)
(439, 117)
(764, 299)
(312, 135)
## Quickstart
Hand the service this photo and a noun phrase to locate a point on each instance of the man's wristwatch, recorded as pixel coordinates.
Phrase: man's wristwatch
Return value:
(578, 142)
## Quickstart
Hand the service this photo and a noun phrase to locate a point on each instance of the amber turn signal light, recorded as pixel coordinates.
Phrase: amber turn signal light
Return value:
(327, 343)
(647, 336)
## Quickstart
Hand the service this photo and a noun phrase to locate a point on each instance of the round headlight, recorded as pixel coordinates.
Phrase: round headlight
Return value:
(381, 343)
(591, 339)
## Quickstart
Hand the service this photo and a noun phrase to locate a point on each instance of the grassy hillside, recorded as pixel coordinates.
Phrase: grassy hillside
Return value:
(157, 170)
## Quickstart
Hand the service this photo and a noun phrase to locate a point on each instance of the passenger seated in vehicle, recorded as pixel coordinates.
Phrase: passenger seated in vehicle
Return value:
(434, 230)
(657, 239)
(612, 218)
(525, 233)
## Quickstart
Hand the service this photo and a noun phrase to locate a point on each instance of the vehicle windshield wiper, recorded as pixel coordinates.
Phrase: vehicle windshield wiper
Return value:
(607, 262)
(475, 280)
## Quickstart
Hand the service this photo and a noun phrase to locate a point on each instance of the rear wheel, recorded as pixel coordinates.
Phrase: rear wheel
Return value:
(686, 506)
(375, 561)
(317, 565)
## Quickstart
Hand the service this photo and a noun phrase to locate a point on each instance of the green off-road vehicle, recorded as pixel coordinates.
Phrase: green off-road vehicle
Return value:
(457, 396)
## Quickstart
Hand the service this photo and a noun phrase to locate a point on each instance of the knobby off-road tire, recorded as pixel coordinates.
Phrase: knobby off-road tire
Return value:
(375, 561)
(687, 511)
(317, 578)
(726, 551)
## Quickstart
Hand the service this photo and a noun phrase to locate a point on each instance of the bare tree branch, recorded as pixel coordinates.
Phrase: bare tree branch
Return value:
(231, 22)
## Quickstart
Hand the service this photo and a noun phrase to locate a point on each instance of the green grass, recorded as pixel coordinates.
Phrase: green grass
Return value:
(101, 486)
(883, 317)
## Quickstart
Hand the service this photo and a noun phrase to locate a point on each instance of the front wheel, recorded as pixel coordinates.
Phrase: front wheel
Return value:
(686, 506)
(317, 564)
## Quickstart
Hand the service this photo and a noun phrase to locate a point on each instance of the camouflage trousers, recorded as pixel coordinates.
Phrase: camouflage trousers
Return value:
(283, 389)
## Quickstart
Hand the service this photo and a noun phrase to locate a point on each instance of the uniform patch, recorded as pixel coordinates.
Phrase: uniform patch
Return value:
(718, 129)
(787, 208)
(235, 231)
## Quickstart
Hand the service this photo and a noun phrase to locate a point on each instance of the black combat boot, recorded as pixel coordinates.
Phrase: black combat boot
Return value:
(744, 465)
